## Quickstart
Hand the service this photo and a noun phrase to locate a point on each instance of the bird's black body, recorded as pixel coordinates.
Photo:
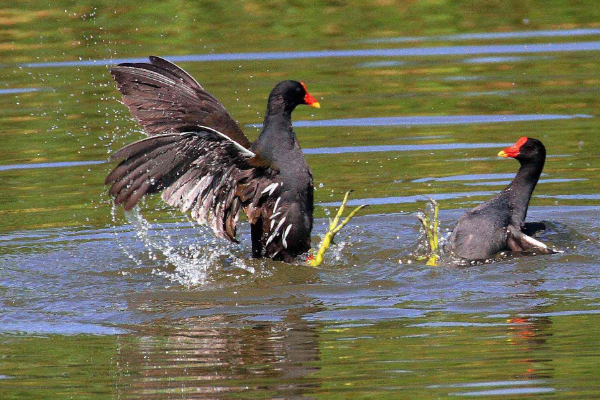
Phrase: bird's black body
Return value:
(498, 224)
(293, 198)
(199, 158)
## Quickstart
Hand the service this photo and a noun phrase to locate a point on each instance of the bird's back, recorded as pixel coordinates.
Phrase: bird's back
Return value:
(481, 232)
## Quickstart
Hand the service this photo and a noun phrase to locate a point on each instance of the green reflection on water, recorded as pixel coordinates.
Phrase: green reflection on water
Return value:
(58, 366)
(437, 356)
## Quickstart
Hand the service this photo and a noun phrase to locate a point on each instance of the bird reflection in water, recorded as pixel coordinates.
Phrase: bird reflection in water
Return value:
(529, 335)
(208, 356)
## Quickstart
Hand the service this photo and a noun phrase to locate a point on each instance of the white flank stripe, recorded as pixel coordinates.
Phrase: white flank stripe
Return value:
(287, 230)
(534, 242)
(270, 239)
(271, 188)
(276, 204)
(275, 231)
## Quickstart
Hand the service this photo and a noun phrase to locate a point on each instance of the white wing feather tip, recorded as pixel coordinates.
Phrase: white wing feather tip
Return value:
(241, 148)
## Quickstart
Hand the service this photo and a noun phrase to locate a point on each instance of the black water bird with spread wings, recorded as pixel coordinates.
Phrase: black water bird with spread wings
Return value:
(200, 159)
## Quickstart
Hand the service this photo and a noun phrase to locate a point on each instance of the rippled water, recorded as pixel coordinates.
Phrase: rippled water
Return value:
(417, 100)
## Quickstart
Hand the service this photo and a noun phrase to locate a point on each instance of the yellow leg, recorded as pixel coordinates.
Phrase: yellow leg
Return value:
(334, 228)
(431, 232)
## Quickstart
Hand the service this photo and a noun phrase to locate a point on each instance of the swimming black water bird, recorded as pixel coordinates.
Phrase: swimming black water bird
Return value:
(499, 223)
(197, 155)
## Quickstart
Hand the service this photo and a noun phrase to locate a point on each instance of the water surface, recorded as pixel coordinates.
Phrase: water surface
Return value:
(417, 99)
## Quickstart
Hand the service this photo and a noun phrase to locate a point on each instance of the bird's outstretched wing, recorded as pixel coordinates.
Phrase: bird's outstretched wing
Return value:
(166, 99)
(201, 171)
(196, 153)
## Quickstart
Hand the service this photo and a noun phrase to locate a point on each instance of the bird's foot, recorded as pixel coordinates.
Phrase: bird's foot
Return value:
(334, 227)
(429, 221)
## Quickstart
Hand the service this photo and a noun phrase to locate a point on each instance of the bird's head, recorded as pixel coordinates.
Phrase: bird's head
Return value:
(526, 150)
(292, 93)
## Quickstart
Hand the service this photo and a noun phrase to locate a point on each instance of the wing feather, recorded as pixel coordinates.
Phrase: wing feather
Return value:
(195, 153)
(164, 98)
(200, 172)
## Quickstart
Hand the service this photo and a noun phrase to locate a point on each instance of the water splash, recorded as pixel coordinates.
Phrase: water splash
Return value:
(168, 248)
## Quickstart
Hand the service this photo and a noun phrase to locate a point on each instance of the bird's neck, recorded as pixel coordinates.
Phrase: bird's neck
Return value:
(520, 189)
(277, 139)
(279, 119)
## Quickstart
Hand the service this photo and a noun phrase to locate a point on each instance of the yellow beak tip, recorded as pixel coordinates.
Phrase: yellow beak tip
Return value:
(502, 154)
(316, 105)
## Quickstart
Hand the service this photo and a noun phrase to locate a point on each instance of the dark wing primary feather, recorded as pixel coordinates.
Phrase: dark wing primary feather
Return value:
(203, 172)
(164, 98)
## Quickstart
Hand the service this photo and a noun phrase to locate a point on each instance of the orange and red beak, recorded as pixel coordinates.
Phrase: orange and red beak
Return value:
(308, 99)
(513, 150)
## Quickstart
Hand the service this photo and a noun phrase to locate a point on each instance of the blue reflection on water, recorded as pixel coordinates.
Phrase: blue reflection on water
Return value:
(495, 60)
(292, 55)
(381, 64)
(504, 392)
(582, 196)
(70, 328)
(319, 150)
(502, 183)
(378, 201)
(49, 165)
(472, 177)
(19, 90)
(406, 199)
(430, 120)
(551, 313)
(490, 383)
(402, 147)
(490, 35)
